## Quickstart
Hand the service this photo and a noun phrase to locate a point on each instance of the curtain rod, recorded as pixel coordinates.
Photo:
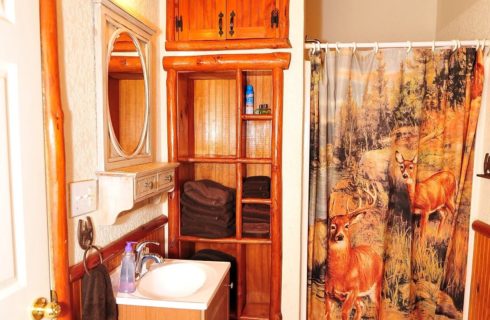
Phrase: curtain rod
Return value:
(315, 44)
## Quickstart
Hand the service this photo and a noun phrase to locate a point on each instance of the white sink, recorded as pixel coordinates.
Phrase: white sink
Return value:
(178, 284)
(175, 280)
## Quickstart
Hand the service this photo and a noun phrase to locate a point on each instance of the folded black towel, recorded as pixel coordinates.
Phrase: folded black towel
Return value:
(98, 302)
(209, 192)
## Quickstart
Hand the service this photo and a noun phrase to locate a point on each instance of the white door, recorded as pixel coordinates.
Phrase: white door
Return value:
(24, 261)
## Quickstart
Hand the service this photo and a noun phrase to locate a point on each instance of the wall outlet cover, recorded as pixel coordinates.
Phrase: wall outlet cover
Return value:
(83, 197)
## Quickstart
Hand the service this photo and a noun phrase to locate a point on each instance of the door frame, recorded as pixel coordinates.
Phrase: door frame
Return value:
(54, 146)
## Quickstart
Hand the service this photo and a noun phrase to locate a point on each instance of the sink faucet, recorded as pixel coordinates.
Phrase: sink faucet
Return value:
(143, 255)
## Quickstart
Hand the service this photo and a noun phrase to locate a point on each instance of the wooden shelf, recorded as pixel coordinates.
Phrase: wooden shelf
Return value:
(257, 117)
(224, 159)
(255, 311)
(256, 201)
(212, 139)
(226, 240)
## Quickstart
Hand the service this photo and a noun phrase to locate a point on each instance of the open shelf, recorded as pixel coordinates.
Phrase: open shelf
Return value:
(212, 138)
(256, 117)
(225, 240)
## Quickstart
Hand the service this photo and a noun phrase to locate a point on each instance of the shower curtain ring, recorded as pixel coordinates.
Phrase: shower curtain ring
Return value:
(455, 45)
(433, 46)
(354, 47)
(477, 44)
(318, 46)
(409, 46)
(337, 47)
(376, 47)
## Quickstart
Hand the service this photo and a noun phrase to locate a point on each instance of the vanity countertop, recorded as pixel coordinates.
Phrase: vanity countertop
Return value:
(199, 300)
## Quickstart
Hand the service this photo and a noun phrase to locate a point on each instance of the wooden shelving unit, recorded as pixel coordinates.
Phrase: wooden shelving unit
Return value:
(212, 138)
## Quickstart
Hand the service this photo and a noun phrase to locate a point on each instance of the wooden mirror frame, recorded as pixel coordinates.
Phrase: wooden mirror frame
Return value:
(143, 138)
(109, 153)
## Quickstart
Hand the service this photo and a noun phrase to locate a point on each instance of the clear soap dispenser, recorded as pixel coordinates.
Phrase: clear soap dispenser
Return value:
(127, 283)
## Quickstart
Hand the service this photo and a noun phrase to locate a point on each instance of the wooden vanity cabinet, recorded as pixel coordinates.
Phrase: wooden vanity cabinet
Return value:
(227, 24)
(211, 137)
(218, 309)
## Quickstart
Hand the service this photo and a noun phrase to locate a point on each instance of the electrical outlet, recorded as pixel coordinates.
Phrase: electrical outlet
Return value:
(83, 197)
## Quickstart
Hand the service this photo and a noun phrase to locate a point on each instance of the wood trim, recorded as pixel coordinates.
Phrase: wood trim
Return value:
(213, 45)
(55, 156)
(227, 62)
(276, 197)
(77, 270)
(170, 11)
(481, 227)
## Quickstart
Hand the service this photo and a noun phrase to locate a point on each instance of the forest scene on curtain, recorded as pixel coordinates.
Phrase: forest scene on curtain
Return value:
(391, 147)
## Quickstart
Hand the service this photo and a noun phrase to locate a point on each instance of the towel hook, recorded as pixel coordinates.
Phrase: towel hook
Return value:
(85, 233)
(101, 258)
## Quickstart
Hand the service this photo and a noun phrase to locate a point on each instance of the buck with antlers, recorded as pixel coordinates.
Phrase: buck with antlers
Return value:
(352, 272)
(435, 193)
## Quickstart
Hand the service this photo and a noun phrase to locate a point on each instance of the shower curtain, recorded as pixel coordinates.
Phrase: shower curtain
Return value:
(391, 146)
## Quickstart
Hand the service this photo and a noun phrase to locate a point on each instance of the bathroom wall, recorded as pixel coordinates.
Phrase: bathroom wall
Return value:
(369, 21)
(78, 78)
(77, 64)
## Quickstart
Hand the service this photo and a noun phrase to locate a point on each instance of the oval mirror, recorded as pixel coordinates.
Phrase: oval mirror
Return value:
(127, 94)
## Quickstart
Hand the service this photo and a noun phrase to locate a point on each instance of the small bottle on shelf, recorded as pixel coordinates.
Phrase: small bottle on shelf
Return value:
(249, 99)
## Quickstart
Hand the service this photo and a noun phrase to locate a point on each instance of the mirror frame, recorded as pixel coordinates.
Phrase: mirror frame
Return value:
(110, 21)
(144, 131)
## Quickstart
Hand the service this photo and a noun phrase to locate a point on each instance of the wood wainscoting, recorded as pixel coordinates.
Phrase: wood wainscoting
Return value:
(112, 253)
(480, 283)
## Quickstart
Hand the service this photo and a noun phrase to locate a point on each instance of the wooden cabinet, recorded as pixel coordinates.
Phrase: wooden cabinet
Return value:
(120, 189)
(226, 24)
(212, 138)
(218, 309)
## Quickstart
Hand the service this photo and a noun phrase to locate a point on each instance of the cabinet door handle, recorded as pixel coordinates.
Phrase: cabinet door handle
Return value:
(220, 23)
(149, 184)
(232, 23)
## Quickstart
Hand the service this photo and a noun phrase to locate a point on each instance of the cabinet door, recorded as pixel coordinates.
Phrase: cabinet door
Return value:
(202, 20)
(249, 19)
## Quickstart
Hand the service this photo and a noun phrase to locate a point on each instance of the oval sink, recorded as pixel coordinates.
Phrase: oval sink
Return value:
(173, 280)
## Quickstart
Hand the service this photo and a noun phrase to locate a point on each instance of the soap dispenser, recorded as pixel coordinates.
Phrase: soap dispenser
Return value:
(127, 283)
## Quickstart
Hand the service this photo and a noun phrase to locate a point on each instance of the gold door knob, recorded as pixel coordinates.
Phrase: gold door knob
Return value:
(42, 309)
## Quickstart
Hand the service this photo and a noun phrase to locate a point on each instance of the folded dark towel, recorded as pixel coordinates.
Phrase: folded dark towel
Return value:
(191, 217)
(98, 302)
(208, 192)
(259, 179)
(185, 200)
(253, 209)
(256, 230)
(256, 194)
(256, 219)
(205, 230)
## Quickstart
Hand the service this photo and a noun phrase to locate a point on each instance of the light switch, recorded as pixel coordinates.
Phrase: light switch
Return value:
(83, 197)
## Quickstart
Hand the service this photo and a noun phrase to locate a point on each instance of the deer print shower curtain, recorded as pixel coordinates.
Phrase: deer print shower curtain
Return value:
(390, 182)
